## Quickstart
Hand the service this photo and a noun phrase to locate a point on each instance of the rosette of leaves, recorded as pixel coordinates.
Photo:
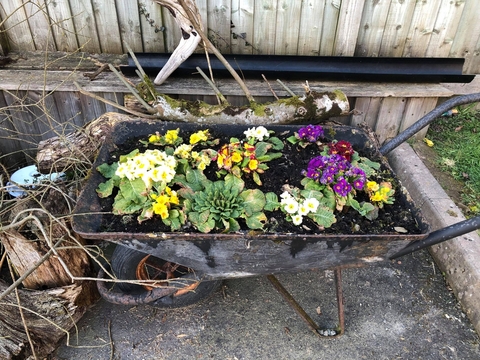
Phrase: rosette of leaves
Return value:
(220, 204)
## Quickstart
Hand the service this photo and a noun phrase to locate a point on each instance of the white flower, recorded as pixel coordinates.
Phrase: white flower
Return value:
(297, 219)
(303, 209)
(311, 204)
(290, 205)
(258, 133)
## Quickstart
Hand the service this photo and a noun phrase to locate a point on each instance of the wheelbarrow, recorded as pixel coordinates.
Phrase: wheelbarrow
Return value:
(187, 267)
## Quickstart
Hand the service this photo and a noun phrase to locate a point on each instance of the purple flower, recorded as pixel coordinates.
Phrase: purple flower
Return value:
(358, 183)
(342, 187)
(310, 133)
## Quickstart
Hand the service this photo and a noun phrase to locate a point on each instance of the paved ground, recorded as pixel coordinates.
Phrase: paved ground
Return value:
(393, 310)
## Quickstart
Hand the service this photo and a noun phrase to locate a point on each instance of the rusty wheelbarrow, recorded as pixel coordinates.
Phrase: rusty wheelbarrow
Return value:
(187, 267)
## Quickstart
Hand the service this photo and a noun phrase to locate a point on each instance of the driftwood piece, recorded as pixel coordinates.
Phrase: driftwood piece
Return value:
(312, 108)
(189, 41)
(60, 153)
(62, 306)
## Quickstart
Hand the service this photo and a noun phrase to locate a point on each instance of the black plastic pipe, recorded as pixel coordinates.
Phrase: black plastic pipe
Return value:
(379, 69)
(427, 119)
(436, 237)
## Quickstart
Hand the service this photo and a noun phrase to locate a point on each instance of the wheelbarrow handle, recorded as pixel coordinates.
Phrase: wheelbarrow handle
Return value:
(438, 236)
(427, 119)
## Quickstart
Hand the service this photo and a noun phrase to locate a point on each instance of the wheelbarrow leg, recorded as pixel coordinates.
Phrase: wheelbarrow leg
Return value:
(308, 320)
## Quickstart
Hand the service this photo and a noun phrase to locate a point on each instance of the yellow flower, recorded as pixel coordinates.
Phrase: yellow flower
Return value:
(253, 164)
(201, 135)
(154, 138)
(237, 157)
(171, 136)
(377, 196)
(428, 142)
(161, 209)
(372, 186)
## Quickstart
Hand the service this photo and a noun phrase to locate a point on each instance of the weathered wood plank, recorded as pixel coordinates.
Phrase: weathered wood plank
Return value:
(108, 82)
(287, 28)
(16, 25)
(396, 28)
(37, 15)
(421, 28)
(264, 26)
(9, 144)
(62, 26)
(311, 24)
(389, 118)
(85, 26)
(107, 26)
(129, 24)
(172, 33)
(348, 27)
(368, 109)
(415, 109)
(91, 108)
(219, 21)
(329, 28)
(446, 25)
(466, 42)
(69, 103)
(371, 27)
(242, 26)
(151, 23)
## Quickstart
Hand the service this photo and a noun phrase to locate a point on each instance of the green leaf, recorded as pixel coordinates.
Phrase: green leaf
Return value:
(292, 139)
(134, 190)
(256, 178)
(256, 221)
(108, 171)
(323, 217)
(277, 143)
(233, 184)
(232, 225)
(196, 179)
(271, 202)
(328, 199)
(105, 189)
(253, 201)
(312, 194)
(310, 184)
(130, 155)
(261, 148)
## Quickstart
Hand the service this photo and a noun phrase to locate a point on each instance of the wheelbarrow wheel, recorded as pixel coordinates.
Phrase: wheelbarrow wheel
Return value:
(129, 264)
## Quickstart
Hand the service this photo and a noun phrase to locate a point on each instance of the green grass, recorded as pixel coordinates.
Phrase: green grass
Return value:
(457, 142)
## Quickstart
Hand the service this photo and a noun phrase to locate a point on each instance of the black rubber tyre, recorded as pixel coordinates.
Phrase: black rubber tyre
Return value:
(124, 264)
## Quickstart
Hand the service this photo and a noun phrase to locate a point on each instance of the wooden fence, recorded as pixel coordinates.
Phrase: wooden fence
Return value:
(400, 28)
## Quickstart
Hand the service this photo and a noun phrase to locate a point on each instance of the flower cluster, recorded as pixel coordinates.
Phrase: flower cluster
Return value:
(152, 166)
(342, 148)
(164, 201)
(380, 193)
(250, 156)
(297, 208)
(311, 133)
(336, 171)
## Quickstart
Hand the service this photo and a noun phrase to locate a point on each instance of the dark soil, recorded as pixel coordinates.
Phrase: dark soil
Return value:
(287, 170)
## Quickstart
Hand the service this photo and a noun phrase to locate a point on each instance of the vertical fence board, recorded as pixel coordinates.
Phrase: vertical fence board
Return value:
(23, 123)
(91, 108)
(287, 27)
(151, 23)
(467, 37)
(446, 25)
(368, 109)
(129, 24)
(348, 27)
(329, 28)
(85, 27)
(415, 109)
(16, 25)
(9, 145)
(218, 19)
(421, 28)
(38, 19)
(62, 25)
(202, 6)
(172, 33)
(114, 97)
(396, 27)
(107, 26)
(389, 118)
(71, 108)
(311, 23)
(242, 26)
(371, 27)
(264, 21)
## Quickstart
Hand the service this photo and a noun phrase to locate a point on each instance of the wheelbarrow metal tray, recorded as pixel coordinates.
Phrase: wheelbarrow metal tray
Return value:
(250, 253)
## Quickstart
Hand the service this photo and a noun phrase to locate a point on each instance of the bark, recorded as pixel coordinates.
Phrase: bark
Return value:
(62, 306)
(79, 148)
(311, 108)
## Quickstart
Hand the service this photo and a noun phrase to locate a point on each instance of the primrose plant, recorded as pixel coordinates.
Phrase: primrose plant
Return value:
(249, 156)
